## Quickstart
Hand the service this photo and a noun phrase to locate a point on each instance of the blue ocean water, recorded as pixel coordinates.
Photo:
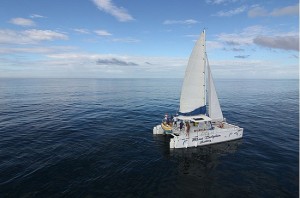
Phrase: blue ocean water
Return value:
(93, 138)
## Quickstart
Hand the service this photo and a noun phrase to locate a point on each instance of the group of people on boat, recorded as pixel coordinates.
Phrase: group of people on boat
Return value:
(172, 121)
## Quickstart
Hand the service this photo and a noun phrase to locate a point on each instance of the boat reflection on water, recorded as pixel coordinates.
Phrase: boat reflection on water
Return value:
(199, 171)
(202, 160)
(203, 171)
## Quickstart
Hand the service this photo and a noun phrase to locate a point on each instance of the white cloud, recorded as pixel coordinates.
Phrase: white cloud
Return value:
(230, 12)
(72, 64)
(36, 16)
(102, 65)
(36, 49)
(82, 30)
(119, 13)
(220, 1)
(102, 33)
(210, 45)
(185, 22)
(245, 37)
(22, 22)
(43, 35)
(126, 40)
(258, 11)
(29, 36)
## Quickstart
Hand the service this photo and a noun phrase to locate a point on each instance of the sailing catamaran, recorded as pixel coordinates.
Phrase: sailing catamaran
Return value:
(200, 119)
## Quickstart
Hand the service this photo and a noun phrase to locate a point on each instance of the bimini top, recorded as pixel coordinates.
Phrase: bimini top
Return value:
(195, 118)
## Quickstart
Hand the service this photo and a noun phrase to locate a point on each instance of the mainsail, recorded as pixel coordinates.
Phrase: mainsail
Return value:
(193, 96)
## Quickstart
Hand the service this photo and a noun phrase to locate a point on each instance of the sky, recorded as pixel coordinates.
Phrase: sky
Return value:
(247, 39)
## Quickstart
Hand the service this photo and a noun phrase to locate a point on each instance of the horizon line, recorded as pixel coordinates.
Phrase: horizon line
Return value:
(142, 78)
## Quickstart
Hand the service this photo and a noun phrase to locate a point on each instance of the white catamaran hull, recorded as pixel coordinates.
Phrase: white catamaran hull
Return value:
(196, 137)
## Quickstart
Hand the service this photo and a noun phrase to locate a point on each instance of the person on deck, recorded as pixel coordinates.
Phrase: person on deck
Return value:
(168, 121)
(181, 125)
(187, 127)
(166, 118)
(175, 121)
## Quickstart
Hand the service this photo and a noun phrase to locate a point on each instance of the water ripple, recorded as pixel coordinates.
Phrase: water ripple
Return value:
(93, 138)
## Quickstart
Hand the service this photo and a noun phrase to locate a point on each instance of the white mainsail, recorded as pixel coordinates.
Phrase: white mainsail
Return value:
(192, 99)
(214, 108)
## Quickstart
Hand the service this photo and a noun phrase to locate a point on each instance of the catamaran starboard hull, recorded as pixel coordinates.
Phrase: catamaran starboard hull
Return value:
(195, 139)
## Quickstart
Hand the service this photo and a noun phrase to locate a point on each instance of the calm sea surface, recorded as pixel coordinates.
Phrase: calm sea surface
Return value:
(93, 138)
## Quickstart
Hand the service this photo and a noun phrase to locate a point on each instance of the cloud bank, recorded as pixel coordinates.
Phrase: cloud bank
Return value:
(102, 33)
(278, 42)
(262, 36)
(30, 36)
(231, 12)
(115, 61)
(284, 11)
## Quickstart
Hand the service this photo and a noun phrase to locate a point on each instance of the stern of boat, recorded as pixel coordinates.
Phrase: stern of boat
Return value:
(157, 130)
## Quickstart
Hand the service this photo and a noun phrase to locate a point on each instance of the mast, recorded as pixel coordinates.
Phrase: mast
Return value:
(208, 87)
(204, 72)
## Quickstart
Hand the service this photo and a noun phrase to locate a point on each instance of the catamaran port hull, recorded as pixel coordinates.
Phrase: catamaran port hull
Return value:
(158, 130)
(196, 137)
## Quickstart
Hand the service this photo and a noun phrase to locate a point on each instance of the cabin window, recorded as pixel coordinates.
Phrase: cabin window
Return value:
(198, 119)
